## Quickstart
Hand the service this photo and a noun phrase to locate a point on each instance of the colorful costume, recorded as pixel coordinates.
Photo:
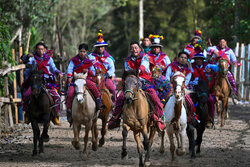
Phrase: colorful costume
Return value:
(48, 68)
(226, 52)
(77, 65)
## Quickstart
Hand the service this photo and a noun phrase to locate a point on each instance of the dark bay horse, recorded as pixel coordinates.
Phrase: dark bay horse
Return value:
(200, 99)
(106, 101)
(136, 116)
(222, 90)
(39, 110)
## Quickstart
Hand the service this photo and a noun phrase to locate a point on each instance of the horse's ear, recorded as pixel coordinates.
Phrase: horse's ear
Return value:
(85, 74)
(75, 74)
(184, 72)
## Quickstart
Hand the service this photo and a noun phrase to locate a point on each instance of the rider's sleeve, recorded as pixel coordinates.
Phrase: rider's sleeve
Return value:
(127, 68)
(232, 56)
(70, 69)
(168, 73)
(213, 67)
(211, 49)
(167, 60)
(188, 78)
(187, 51)
(53, 68)
(111, 68)
(145, 64)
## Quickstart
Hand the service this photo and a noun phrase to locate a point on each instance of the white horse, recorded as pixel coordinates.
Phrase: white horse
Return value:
(175, 115)
(83, 113)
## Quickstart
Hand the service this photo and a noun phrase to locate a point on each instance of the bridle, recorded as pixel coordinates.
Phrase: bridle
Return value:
(133, 92)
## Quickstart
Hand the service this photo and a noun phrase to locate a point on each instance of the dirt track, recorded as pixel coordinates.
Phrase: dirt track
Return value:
(227, 146)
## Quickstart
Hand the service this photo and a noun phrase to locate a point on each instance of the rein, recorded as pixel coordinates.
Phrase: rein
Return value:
(132, 92)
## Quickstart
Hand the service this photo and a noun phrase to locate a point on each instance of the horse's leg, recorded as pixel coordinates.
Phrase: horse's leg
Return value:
(94, 135)
(36, 134)
(86, 138)
(103, 132)
(224, 110)
(124, 146)
(139, 146)
(146, 145)
(45, 136)
(162, 149)
(181, 150)
(76, 130)
(190, 134)
(218, 108)
(170, 132)
(200, 131)
(151, 135)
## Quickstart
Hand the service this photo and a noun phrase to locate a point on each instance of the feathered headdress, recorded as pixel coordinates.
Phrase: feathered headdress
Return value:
(156, 40)
(100, 41)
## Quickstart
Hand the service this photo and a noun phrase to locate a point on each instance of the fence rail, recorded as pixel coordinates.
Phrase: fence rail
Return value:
(242, 73)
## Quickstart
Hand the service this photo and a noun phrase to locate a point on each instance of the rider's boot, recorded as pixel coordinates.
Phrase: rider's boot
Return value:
(56, 120)
(114, 123)
(26, 118)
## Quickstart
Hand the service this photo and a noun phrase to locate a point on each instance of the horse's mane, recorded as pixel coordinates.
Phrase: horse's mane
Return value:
(127, 73)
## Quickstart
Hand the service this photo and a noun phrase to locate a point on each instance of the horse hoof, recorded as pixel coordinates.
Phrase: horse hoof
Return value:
(94, 148)
(180, 152)
(76, 145)
(162, 150)
(45, 137)
(41, 151)
(147, 164)
(84, 156)
(101, 142)
(34, 153)
(124, 155)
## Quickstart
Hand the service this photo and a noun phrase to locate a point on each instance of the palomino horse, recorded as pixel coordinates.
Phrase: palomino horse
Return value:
(175, 115)
(83, 113)
(39, 110)
(135, 116)
(106, 101)
(200, 98)
(222, 90)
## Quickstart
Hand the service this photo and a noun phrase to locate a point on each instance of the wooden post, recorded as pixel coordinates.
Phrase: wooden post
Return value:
(241, 73)
(8, 112)
(21, 71)
(1, 118)
(237, 55)
(15, 89)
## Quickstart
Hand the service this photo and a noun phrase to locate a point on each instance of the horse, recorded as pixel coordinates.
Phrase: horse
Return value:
(106, 101)
(222, 89)
(39, 110)
(200, 98)
(136, 117)
(83, 113)
(175, 115)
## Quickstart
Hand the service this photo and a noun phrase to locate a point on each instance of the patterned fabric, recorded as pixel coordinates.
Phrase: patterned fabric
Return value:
(191, 109)
(56, 98)
(199, 71)
(133, 63)
(163, 88)
(118, 106)
(232, 82)
(111, 87)
(189, 49)
(211, 107)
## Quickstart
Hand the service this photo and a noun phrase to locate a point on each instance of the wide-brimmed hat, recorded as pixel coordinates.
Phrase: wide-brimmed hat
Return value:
(100, 41)
(156, 40)
(199, 55)
(197, 34)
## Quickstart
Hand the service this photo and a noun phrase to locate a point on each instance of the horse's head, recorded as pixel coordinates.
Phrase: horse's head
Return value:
(100, 79)
(80, 86)
(223, 67)
(157, 71)
(36, 82)
(178, 81)
(131, 85)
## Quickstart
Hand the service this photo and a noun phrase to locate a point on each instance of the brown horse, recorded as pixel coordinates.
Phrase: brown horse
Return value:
(135, 117)
(222, 89)
(83, 113)
(106, 101)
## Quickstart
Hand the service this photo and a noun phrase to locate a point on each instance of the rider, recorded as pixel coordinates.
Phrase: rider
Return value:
(133, 62)
(223, 50)
(146, 44)
(195, 45)
(181, 65)
(198, 73)
(103, 60)
(80, 64)
(47, 66)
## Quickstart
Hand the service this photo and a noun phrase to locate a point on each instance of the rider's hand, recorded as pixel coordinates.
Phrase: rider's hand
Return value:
(69, 80)
(208, 70)
(30, 55)
(60, 75)
(216, 53)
